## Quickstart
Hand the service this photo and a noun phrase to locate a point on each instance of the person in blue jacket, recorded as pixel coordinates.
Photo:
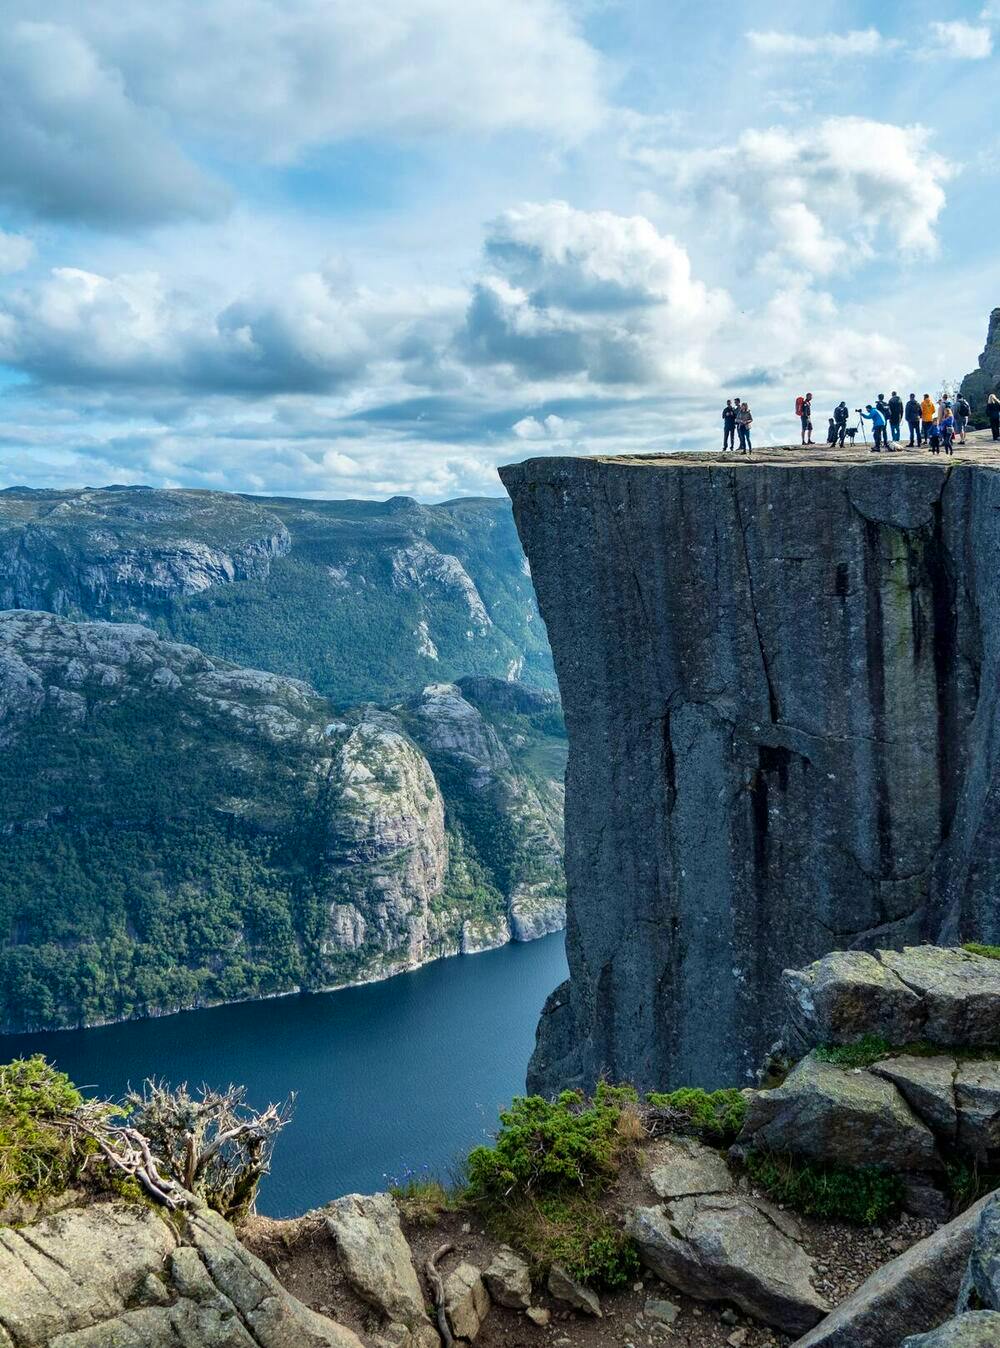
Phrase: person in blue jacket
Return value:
(877, 420)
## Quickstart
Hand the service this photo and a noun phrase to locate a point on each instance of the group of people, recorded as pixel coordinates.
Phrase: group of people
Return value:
(934, 424)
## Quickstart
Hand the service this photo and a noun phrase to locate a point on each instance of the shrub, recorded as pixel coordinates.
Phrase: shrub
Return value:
(863, 1195)
(571, 1230)
(39, 1155)
(717, 1115)
(865, 1051)
(544, 1146)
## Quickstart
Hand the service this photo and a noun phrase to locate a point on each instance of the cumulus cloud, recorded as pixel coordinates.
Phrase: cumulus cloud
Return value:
(16, 252)
(270, 78)
(964, 41)
(590, 294)
(76, 146)
(552, 427)
(821, 197)
(857, 42)
(79, 328)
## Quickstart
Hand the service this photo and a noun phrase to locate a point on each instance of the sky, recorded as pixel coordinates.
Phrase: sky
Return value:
(317, 248)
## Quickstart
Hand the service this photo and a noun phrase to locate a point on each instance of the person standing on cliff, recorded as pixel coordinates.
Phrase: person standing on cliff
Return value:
(927, 415)
(805, 417)
(877, 420)
(744, 420)
(993, 412)
(963, 411)
(913, 419)
(946, 424)
(729, 425)
(841, 415)
(895, 414)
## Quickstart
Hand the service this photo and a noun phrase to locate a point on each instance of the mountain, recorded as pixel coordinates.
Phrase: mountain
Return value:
(363, 600)
(985, 380)
(177, 830)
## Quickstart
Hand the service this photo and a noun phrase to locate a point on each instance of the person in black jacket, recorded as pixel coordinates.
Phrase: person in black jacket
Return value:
(912, 413)
(841, 415)
(729, 425)
(895, 413)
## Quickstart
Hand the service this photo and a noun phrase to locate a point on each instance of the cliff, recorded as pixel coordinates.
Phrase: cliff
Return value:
(176, 830)
(780, 687)
(979, 383)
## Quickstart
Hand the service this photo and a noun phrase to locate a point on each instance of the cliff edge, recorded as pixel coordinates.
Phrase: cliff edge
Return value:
(780, 685)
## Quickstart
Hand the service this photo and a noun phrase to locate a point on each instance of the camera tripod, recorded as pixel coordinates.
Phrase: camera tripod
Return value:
(861, 426)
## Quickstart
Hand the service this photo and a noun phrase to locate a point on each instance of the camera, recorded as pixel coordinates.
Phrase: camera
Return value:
(859, 410)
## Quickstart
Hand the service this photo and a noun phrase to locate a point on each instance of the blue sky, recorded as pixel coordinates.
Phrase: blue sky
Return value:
(317, 248)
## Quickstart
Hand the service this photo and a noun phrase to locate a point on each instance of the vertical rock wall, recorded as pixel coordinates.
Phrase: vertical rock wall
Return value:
(780, 685)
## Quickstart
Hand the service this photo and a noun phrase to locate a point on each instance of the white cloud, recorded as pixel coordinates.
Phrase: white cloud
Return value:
(589, 294)
(76, 146)
(269, 78)
(964, 41)
(552, 427)
(857, 42)
(16, 252)
(823, 197)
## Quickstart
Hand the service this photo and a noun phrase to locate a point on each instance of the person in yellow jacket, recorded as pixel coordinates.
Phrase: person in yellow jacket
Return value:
(928, 413)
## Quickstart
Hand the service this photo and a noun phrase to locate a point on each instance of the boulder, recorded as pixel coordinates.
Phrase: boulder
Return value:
(845, 995)
(665, 1312)
(731, 1248)
(466, 1301)
(978, 1329)
(906, 1295)
(681, 1166)
(116, 1274)
(982, 1278)
(571, 1293)
(375, 1256)
(977, 1098)
(928, 1087)
(508, 1280)
(839, 1116)
(959, 993)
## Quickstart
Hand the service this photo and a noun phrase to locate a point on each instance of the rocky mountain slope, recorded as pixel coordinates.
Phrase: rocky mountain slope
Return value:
(176, 830)
(363, 600)
(780, 685)
(986, 379)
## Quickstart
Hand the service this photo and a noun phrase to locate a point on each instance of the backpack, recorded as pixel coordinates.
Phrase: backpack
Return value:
(800, 403)
(962, 407)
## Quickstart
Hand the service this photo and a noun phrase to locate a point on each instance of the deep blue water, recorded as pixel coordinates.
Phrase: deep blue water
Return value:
(406, 1073)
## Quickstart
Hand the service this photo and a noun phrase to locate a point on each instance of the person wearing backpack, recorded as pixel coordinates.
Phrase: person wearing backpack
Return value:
(913, 419)
(803, 407)
(728, 426)
(744, 420)
(895, 414)
(963, 410)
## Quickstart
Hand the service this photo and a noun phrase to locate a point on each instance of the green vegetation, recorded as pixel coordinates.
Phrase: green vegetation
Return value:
(867, 1050)
(715, 1115)
(539, 1187)
(863, 1196)
(422, 1200)
(41, 1153)
(990, 952)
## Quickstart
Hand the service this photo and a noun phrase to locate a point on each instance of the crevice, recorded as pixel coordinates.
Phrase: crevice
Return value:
(772, 696)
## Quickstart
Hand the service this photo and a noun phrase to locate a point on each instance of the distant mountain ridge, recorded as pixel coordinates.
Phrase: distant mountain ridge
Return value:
(363, 600)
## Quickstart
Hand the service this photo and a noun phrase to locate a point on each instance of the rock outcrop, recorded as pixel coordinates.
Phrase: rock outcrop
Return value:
(326, 845)
(116, 1274)
(986, 379)
(780, 686)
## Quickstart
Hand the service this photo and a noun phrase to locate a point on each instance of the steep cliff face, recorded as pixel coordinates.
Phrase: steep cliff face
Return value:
(978, 384)
(780, 686)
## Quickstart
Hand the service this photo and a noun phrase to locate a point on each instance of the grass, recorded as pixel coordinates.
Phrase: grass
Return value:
(423, 1200)
(866, 1051)
(41, 1154)
(715, 1115)
(862, 1196)
(990, 952)
(540, 1187)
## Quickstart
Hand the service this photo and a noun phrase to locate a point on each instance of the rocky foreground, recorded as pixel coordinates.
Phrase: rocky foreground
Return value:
(834, 1207)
